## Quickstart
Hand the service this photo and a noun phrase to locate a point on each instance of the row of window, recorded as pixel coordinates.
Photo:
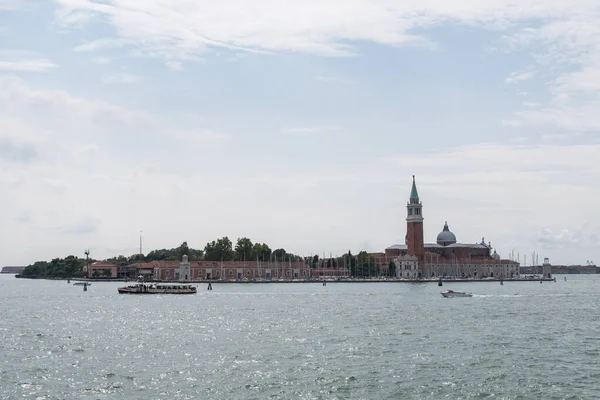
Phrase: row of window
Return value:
(231, 273)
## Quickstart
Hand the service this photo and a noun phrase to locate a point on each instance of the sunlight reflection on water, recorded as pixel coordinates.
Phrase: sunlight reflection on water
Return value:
(369, 340)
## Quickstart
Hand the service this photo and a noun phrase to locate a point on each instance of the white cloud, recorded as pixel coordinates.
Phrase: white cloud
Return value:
(121, 78)
(585, 80)
(8, 4)
(573, 116)
(59, 107)
(551, 240)
(312, 129)
(568, 46)
(102, 60)
(181, 27)
(93, 163)
(557, 136)
(24, 61)
(314, 26)
(57, 184)
(101, 44)
(517, 77)
(519, 140)
(199, 136)
(14, 149)
(506, 158)
(558, 33)
(82, 227)
(174, 65)
(511, 122)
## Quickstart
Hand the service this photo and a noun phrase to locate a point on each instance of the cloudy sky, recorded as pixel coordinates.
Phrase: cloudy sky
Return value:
(299, 124)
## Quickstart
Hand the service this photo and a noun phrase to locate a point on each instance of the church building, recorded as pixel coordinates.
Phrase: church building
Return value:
(446, 257)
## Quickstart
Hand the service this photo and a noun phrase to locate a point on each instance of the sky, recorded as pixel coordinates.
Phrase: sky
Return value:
(298, 124)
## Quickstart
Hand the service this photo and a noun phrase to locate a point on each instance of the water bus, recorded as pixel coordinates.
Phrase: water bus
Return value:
(158, 288)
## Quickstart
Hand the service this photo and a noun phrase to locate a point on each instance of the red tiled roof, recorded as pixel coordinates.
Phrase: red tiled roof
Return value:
(102, 264)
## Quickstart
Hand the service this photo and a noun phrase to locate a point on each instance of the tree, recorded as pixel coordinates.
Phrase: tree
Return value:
(156, 255)
(35, 270)
(183, 250)
(392, 269)
(69, 267)
(219, 250)
(106, 273)
(279, 254)
(261, 251)
(243, 249)
(315, 261)
(174, 254)
(365, 265)
(119, 261)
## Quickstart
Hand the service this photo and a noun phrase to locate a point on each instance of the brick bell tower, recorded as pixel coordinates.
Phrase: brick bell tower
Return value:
(414, 225)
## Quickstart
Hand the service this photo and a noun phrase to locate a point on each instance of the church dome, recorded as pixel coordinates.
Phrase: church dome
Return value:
(496, 256)
(446, 237)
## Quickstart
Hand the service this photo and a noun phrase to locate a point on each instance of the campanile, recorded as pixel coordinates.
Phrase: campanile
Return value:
(414, 225)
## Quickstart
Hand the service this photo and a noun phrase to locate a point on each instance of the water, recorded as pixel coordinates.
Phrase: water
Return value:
(520, 340)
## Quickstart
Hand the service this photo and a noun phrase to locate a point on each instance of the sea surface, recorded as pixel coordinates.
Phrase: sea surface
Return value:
(520, 340)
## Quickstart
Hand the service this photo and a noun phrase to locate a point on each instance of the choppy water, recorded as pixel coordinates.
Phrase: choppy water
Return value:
(522, 340)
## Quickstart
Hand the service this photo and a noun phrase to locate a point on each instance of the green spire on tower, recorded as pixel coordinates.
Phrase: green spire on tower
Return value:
(413, 193)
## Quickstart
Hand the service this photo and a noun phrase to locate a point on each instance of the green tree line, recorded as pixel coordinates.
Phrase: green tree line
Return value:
(69, 267)
(221, 249)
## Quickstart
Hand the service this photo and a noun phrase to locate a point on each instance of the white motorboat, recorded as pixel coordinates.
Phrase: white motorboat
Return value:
(454, 293)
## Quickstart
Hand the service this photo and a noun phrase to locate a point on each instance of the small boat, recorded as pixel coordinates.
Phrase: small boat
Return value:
(158, 288)
(82, 284)
(454, 293)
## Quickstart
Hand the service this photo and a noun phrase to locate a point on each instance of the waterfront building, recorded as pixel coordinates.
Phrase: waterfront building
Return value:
(226, 270)
(186, 270)
(102, 269)
(12, 270)
(416, 259)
